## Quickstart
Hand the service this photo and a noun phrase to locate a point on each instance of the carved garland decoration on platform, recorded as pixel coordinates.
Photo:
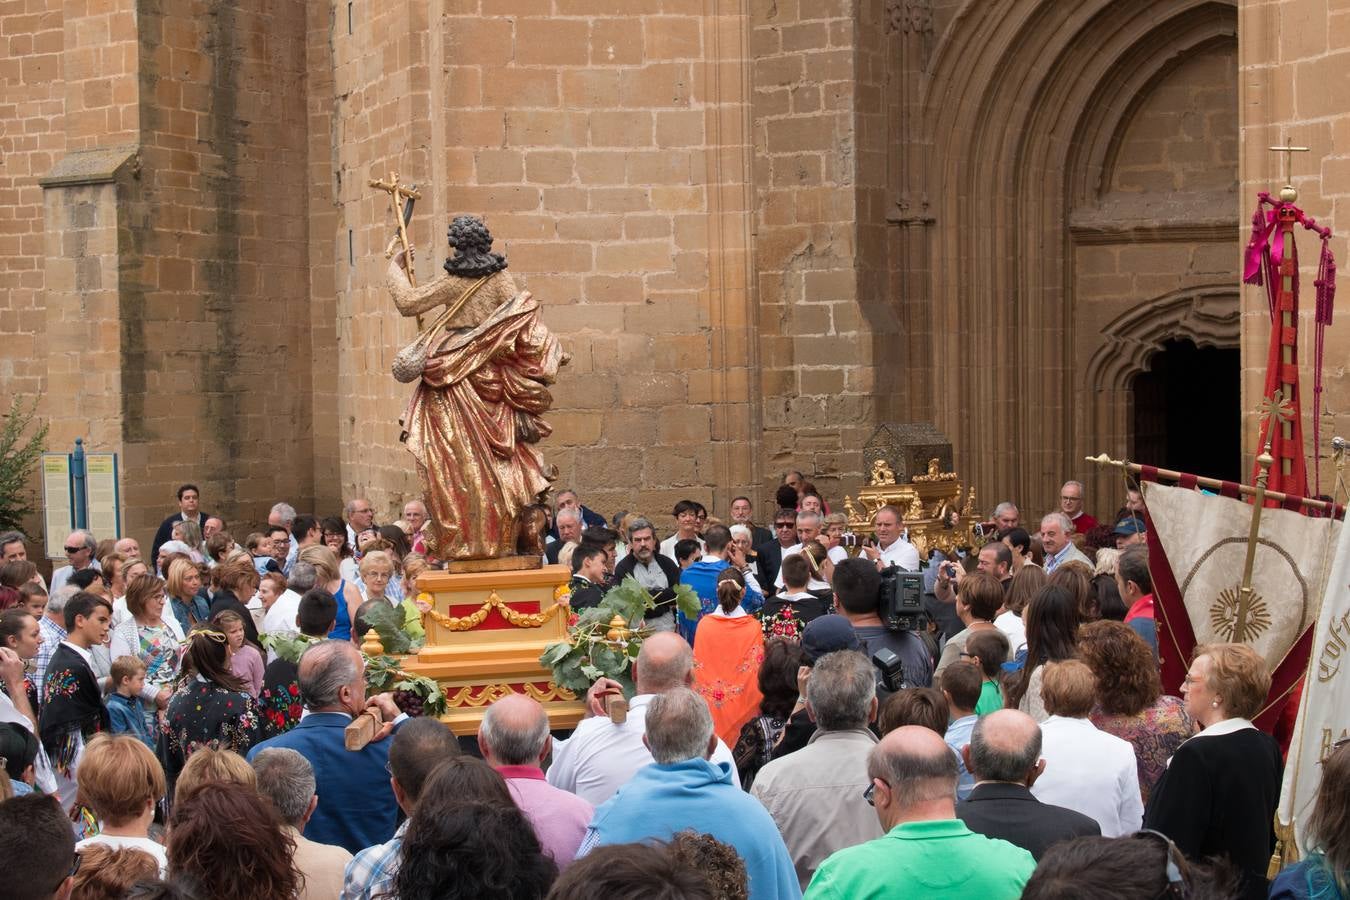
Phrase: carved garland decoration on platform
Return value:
(476, 618)
(491, 693)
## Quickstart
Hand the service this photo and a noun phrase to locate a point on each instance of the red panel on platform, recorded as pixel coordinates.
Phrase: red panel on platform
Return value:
(495, 621)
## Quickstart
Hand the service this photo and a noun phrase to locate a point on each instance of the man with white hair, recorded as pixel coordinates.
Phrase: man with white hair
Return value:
(1006, 515)
(815, 793)
(79, 547)
(287, 779)
(568, 524)
(682, 789)
(1071, 504)
(128, 547)
(808, 529)
(514, 740)
(415, 514)
(601, 756)
(1057, 542)
(360, 517)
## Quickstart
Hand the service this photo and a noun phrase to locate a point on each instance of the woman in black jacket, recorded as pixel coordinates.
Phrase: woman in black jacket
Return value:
(1219, 793)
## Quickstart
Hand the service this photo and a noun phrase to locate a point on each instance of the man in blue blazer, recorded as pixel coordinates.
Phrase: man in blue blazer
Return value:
(356, 807)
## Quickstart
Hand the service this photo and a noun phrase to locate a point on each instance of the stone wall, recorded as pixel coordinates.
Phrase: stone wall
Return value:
(1295, 86)
(819, 254)
(1155, 249)
(605, 143)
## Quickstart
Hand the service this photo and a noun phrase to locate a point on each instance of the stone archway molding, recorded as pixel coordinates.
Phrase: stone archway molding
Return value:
(1041, 90)
(1208, 316)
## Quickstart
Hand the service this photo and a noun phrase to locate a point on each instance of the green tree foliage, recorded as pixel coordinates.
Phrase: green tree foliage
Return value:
(18, 460)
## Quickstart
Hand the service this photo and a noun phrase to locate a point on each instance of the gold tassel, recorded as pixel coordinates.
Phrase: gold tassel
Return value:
(1286, 849)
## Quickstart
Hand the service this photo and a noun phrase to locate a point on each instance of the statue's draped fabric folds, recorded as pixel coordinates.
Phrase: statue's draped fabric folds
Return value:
(475, 413)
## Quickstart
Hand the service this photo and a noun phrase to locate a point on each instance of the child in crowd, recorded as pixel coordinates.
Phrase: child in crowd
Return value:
(33, 597)
(246, 662)
(988, 649)
(125, 712)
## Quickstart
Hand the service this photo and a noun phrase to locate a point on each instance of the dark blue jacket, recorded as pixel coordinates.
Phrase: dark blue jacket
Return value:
(356, 807)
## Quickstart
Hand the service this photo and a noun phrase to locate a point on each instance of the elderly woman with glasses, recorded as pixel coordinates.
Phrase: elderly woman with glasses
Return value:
(1219, 793)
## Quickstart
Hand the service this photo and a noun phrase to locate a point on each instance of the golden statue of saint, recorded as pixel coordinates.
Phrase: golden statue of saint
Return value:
(482, 370)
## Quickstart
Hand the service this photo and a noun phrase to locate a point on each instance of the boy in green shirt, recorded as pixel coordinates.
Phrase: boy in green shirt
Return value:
(988, 649)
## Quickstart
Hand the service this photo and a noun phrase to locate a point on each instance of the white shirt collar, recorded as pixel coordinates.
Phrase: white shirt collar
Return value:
(86, 655)
(709, 558)
(734, 614)
(1227, 726)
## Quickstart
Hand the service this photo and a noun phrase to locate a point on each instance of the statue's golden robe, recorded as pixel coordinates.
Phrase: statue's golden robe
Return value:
(472, 427)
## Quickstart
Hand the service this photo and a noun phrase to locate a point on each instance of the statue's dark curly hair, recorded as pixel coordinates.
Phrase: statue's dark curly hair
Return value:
(473, 249)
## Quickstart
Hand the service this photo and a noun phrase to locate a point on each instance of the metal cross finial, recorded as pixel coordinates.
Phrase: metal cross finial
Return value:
(1276, 407)
(1289, 150)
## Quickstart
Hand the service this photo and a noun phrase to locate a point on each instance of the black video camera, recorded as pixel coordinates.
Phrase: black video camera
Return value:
(900, 601)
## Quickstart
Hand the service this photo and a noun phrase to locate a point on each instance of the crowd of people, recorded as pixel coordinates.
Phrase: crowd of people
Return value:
(173, 724)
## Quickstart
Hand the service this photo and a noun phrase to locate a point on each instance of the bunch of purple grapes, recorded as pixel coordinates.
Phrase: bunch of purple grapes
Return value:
(409, 702)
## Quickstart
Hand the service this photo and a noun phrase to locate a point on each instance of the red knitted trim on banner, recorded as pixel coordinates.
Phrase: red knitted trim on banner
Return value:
(1188, 481)
(1230, 489)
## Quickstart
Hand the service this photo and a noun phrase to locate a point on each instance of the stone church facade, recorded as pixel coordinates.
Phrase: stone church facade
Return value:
(761, 227)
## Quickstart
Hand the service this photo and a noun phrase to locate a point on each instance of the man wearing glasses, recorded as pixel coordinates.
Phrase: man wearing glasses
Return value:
(79, 547)
(360, 517)
(769, 554)
(1071, 504)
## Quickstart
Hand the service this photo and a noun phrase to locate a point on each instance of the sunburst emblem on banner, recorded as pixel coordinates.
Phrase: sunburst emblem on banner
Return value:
(1228, 618)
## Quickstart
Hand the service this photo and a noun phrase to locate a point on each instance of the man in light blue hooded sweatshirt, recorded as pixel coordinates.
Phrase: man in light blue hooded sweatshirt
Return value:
(683, 790)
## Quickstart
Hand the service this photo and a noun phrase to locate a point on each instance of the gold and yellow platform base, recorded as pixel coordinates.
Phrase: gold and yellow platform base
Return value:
(485, 634)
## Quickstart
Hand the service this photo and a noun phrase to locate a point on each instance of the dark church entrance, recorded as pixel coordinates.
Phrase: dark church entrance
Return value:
(1187, 411)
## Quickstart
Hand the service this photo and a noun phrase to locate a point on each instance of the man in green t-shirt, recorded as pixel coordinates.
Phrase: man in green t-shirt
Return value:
(926, 851)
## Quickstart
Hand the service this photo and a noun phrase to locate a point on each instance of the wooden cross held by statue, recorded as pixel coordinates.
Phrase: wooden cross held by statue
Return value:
(397, 193)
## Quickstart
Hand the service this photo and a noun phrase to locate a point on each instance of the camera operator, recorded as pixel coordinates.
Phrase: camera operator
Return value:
(857, 587)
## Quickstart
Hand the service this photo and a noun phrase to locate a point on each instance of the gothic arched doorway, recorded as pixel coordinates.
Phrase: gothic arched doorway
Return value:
(1188, 410)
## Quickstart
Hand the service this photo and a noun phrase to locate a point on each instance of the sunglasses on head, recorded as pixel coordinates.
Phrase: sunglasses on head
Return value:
(1176, 869)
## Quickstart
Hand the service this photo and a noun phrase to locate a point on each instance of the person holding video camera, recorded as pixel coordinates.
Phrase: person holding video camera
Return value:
(857, 596)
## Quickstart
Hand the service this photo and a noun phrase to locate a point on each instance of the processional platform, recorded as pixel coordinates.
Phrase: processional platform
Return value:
(485, 634)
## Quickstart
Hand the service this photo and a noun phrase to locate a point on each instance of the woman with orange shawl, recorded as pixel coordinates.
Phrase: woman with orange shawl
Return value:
(728, 650)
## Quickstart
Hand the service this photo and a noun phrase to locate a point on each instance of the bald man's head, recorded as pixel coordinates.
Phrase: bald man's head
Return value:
(916, 763)
(665, 662)
(1005, 746)
(514, 732)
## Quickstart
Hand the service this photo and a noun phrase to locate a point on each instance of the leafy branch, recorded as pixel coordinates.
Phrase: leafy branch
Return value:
(590, 652)
(18, 460)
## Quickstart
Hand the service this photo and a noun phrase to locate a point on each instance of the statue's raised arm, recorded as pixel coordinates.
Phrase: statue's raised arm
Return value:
(481, 368)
